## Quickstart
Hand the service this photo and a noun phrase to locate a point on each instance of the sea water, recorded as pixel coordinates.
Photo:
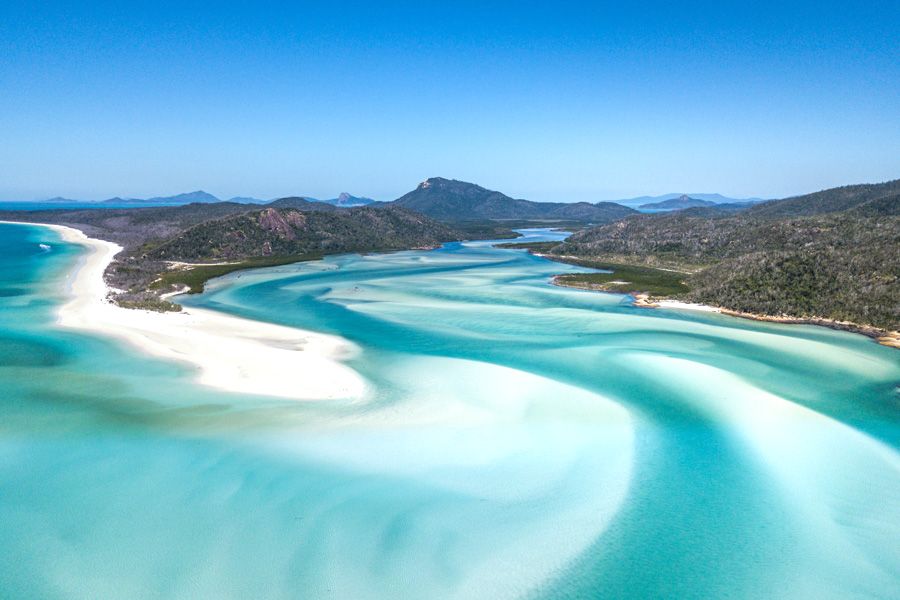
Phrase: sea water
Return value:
(518, 440)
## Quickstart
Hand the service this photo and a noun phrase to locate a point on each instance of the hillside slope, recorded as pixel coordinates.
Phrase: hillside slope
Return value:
(273, 231)
(158, 241)
(452, 201)
(131, 226)
(828, 201)
(833, 254)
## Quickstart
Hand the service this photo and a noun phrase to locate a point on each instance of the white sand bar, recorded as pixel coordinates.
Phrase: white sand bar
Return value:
(229, 353)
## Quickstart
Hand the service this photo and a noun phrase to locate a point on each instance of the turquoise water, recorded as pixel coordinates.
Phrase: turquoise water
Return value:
(518, 440)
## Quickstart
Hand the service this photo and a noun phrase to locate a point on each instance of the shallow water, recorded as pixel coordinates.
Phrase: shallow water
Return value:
(518, 440)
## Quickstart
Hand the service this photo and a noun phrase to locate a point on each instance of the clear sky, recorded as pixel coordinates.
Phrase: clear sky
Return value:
(541, 100)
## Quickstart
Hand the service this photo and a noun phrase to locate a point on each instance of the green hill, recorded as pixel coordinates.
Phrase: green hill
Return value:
(834, 254)
(225, 237)
(828, 201)
(454, 201)
(272, 231)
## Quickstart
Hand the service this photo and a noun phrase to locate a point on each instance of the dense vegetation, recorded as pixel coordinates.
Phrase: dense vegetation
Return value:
(616, 277)
(534, 247)
(834, 254)
(834, 200)
(451, 201)
(194, 277)
(274, 232)
(158, 241)
(626, 279)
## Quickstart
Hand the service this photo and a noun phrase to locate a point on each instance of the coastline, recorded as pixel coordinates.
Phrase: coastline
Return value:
(226, 352)
(891, 339)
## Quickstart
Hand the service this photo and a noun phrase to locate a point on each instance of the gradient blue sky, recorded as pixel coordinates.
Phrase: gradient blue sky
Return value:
(546, 101)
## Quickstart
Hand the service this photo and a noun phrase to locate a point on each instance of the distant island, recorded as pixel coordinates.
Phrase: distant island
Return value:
(202, 197)
(680, 203)
(715, 198)
(455, 201)
(347, 200)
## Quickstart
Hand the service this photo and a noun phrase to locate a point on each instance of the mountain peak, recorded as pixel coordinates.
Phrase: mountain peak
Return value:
(437, 182)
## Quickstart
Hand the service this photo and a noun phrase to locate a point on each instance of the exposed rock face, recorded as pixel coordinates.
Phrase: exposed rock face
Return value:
(272, 220)
(284, 232)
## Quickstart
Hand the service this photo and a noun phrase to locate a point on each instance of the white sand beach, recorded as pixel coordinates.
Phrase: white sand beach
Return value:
(686, 306)
(229, 353)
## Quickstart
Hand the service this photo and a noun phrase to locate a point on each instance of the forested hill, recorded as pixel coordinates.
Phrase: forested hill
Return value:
(833, 254)
(273, 231)
(159, 240)
(839, 199)
(454, 201)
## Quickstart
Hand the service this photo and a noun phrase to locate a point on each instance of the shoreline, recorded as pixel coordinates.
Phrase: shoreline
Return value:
(891, 339)
(225, 352)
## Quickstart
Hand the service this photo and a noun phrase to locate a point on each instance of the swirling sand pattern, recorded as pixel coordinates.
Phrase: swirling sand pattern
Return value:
(517, 440)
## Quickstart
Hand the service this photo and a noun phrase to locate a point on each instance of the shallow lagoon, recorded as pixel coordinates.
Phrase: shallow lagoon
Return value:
(518, 439)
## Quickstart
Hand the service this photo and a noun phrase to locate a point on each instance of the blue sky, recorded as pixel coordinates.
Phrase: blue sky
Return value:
(546, 101)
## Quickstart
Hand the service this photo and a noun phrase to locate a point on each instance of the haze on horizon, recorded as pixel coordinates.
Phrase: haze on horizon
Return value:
(569, 102)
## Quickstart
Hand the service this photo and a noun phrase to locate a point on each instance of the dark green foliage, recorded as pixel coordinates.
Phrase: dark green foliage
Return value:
(535, 247)
(861, 286)
(250, 236)
(840, 259)
(302, 204)
(622, 278)
(196, 276)
(154, 304)
(484, 230)
(627, 279)
(828, 201)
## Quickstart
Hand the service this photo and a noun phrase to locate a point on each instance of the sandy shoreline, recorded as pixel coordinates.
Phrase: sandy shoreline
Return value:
(227, 352)
(885, 338)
